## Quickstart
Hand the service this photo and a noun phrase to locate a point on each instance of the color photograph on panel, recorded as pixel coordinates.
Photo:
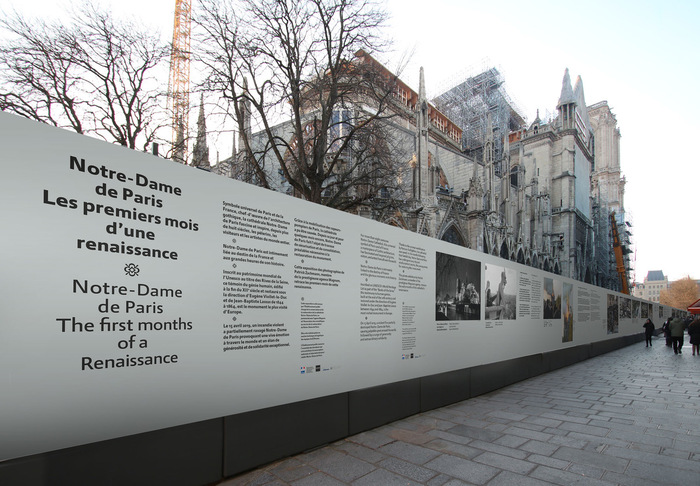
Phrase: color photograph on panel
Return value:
(645, 310)
(552, 299)
(568, 311)
(613, 314)
(499, 292)
(457, 288)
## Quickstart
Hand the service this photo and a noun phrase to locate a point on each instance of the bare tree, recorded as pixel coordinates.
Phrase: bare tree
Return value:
(95, 75)
(320, 103)
(680, 294)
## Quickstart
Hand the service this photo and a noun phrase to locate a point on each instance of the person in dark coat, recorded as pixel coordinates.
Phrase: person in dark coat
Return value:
(648, 331)
(694, 333)
(677, 327)
(667, 332)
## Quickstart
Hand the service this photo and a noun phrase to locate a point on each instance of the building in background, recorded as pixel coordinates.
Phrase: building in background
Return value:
(651, 288)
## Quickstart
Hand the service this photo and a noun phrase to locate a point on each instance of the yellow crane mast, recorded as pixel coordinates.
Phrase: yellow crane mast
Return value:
(179, 81)
(619, 257)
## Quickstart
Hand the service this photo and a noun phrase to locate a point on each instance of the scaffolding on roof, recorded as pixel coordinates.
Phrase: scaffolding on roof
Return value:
(469, 103)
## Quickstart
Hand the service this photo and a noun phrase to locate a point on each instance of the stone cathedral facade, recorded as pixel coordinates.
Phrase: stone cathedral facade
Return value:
(540, 194)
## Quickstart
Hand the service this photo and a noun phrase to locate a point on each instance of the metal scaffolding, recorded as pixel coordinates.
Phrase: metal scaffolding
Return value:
(469, 103)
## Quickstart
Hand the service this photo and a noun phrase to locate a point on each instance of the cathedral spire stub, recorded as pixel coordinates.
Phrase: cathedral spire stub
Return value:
(200, 151)
(421, 140)
(567, 94)
(567, 103)
(244, 132)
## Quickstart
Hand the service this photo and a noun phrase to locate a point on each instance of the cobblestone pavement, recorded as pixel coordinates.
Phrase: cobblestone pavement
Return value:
(630, 417)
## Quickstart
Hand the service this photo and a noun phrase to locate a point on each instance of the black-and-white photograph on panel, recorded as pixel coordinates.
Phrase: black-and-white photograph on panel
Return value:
(500, 290)
(625, 308)
(613, 314)
(457, 288)
(645, 310)
(552, 299)
(636, 309)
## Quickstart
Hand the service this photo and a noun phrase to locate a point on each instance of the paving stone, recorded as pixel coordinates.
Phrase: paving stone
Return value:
(612, 423)
(371, 439)
(454, 449)
(434, 423)
(475, 432)
(498, 449)
(543, 421)
(594, 441)
(566, 478)
(507, 478)
(443, 480)
(290, 470)
(662, 474)
(584, 429)
(553, 431)
(361, 452)
(538, 447)
(407, 469)
(631, 436)
(548, 461)
(565, 418)
(570, 404)
(588, 471)
(409, 452)
(653, 459)
(505, 463)
(668, 433)
(675, 453)
(625, 480)
(511, 417)
(253, 478)
(646, 448)
(510, 441)
(497, 427)
(591, 458)
(531, 426)
(459, 439)
(528, 434)
(689, 444)
(463, 469)
(341, 466)
(568, 442)
(385, 478)
(318, 479)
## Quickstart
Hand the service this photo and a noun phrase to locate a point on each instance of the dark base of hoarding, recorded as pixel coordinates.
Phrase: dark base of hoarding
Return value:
(206, 452)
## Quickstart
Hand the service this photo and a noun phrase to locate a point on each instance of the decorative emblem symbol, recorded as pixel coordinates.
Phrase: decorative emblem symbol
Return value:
(131, 269)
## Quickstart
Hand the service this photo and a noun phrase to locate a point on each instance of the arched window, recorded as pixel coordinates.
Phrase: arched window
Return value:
(504, 251)
(451, 235)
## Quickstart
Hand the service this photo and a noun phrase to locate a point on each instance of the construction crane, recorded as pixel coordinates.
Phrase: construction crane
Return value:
(619, 257)
(179, 81)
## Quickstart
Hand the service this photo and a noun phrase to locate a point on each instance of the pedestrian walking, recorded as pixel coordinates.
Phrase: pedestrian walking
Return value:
(667, 331)
(648, 331)
(694, 333)
(677, 328)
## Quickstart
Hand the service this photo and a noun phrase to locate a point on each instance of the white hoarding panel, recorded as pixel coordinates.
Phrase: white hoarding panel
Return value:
(139, 294)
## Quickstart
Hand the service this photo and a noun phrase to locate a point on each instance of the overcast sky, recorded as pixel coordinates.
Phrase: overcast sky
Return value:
(641, 56)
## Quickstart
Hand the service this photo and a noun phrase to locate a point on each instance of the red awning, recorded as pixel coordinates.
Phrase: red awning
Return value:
(694, 308)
